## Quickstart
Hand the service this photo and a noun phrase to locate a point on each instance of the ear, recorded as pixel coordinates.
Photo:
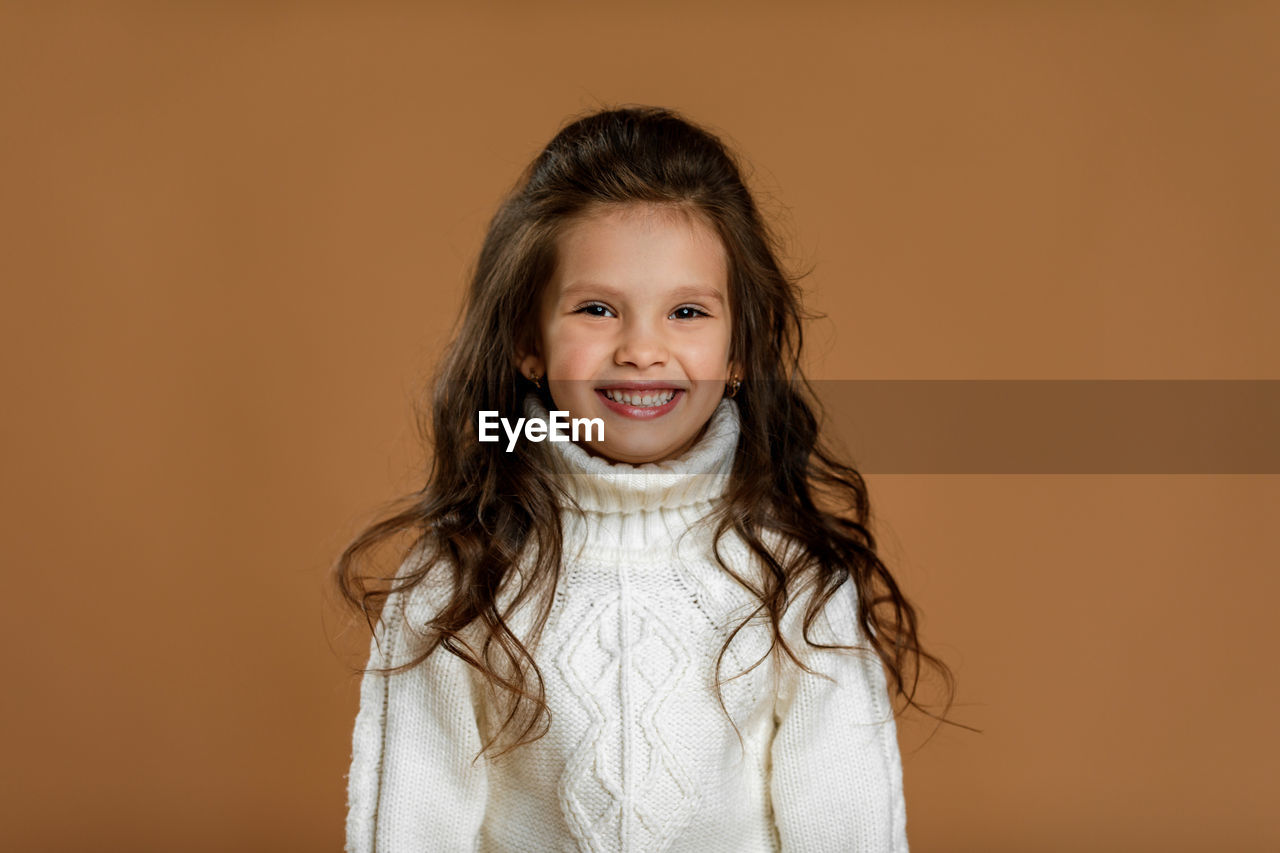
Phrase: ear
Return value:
(531, 365)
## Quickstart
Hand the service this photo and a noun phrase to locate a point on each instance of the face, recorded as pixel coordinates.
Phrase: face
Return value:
(634, 329)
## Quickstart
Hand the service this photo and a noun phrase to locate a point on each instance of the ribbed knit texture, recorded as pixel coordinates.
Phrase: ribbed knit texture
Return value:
(639, 755)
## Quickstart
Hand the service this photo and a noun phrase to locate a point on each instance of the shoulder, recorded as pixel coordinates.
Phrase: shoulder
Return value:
(422, 587)
(429, 582)
(833, 604)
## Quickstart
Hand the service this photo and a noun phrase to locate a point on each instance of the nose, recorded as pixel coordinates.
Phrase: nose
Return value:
(640, 346)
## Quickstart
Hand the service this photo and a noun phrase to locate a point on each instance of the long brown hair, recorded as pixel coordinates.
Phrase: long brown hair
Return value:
(482, 509)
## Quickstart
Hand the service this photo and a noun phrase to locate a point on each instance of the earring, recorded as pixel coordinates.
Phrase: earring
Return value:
(536, 379)
(733, 386)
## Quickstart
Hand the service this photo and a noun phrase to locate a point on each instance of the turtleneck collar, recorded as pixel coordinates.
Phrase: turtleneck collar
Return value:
(698, 476)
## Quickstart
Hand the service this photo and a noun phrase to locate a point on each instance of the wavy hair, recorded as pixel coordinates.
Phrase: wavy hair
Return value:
(482, 510)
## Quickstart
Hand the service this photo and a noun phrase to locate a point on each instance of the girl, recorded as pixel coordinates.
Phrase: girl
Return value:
(546, 671)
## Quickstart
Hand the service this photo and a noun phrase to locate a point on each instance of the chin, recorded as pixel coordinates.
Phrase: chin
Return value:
(631, 454)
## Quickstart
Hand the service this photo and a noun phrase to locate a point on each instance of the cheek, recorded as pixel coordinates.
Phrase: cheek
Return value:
(575, 353)
(709, 358)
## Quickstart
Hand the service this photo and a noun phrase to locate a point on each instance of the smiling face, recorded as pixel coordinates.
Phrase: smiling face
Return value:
(634, 329)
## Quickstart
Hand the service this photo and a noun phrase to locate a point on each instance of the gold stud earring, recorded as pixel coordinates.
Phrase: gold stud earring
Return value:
(536, 379)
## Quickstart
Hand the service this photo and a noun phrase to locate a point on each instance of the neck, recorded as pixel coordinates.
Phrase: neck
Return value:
(640, 508)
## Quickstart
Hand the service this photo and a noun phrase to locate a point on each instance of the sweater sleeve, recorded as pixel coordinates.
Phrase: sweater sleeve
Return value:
(836, 778)
(412, 784)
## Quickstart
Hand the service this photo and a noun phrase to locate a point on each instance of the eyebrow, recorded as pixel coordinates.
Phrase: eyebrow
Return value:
(688, 291)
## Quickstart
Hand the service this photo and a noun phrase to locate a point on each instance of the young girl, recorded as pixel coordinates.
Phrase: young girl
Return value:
(671, 634)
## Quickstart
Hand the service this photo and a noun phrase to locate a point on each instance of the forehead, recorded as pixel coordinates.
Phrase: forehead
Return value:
(639, 248)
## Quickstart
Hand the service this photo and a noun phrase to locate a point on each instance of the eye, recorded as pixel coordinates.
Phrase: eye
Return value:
(688, 312)
(593, 309)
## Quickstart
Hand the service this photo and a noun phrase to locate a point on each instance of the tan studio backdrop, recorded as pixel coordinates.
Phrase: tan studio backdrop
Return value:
(235, 235)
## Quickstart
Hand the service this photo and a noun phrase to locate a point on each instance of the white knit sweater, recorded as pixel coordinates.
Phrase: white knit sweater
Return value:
(639, 755)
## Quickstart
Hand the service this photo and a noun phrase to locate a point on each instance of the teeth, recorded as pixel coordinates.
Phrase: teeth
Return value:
(636, 398)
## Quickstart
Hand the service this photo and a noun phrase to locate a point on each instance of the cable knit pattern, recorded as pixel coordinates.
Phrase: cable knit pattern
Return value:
(639, 755)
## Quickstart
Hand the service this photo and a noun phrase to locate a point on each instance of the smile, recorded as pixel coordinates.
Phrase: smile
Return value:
(636, 398)
(640, 404)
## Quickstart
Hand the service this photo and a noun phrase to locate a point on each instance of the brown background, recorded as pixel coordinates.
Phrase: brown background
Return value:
(234, 235)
